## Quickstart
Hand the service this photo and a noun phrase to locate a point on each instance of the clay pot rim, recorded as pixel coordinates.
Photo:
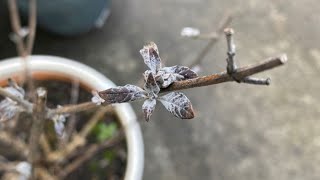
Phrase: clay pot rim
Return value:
(57, 68)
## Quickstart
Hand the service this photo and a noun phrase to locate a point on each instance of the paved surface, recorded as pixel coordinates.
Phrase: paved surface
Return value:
(241, 131)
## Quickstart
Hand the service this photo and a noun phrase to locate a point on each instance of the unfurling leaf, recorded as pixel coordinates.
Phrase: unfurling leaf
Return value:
(59, 127)
(178, 104)
(183, 71)
(9, 108)
(164, 79)
(59, 121)
(148, 108)
(122, 94)
(150, 84)
(151, 56)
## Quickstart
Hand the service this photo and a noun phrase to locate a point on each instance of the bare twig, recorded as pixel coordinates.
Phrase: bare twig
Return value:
(15, 146)
(32, 25)
(7, 166)
(225, 77)
(257, 81)
(23, 49)
(16, 26)
(89, 153)
(39, 115)
(42, 173)
(79, 139)
(93, 120)
(60, 156)
(72, 108)
(222, 25)
(231, 63)
(45, 144)
(72, 118)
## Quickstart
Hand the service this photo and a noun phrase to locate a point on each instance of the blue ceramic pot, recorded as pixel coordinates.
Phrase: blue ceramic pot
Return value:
(68, 17)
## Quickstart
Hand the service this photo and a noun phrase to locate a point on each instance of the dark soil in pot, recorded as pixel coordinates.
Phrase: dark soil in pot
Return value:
(105, 163)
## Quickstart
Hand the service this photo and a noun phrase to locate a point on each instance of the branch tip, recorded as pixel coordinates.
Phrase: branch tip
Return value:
(283, 58)
(228, 31)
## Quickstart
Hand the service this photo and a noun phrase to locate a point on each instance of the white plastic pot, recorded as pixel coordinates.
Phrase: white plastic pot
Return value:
(44, 67)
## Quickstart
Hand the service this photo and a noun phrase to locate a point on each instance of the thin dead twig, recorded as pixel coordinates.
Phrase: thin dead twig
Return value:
(44, 174)
(72, 119)
(16, 146)
(32, 25)
(73, 108)
(226, 20)
(79, 139)
(45, 144)
(59, 156)
(94, 120)
(16, 26)
(89, 153)
(39, 115)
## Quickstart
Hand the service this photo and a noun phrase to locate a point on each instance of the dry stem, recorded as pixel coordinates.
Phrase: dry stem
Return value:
(39, 115)
(15, 145)
(16, 26)
(91, 151)
(225, 77)
(32, 25)
(222, 25)
(222, 77)
(72, 119)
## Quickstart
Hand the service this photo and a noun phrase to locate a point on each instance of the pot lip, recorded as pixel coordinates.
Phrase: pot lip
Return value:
(90, 78)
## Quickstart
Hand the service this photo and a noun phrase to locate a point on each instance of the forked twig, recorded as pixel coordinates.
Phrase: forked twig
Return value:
(91, 151)
(39, 115)
(198, 82)
(226, 20)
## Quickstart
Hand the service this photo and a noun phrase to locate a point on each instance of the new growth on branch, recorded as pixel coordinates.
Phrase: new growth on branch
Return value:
(158, 79)
(164, 79)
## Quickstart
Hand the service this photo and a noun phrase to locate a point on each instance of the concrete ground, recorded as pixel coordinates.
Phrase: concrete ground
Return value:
(241, 131)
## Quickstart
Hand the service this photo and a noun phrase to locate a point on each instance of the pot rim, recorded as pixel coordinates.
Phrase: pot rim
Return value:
(43, 66)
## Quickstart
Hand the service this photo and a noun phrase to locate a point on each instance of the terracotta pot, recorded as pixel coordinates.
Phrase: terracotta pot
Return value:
(57, 68)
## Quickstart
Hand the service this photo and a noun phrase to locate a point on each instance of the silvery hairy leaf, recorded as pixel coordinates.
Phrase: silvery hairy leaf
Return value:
(9, 108)
(183, 71)
(168, 75)
(150, 84)
(150, 55)
(58, 121)
(178, 104)
(122, 94)
(148, 108)
(164, 79)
